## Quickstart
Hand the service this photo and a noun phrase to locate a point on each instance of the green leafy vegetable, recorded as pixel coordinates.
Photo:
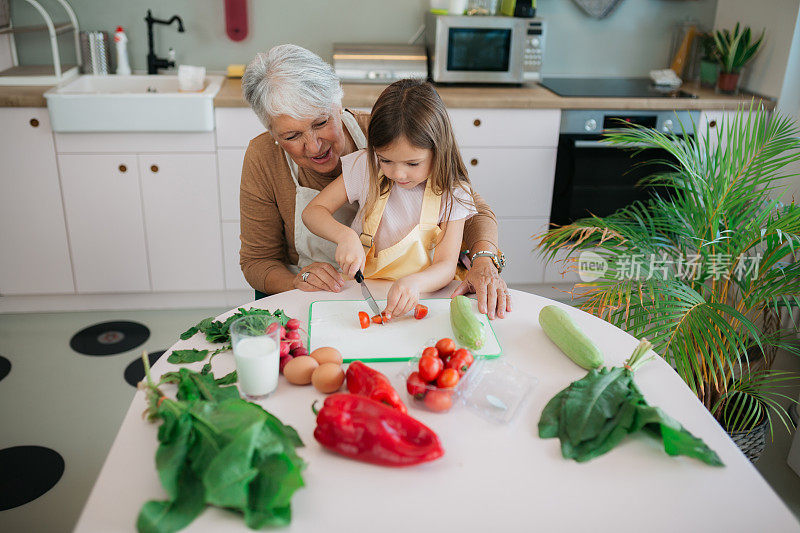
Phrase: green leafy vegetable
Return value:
(187, 356)
(594, 414)
(217, 449)
(217, 331)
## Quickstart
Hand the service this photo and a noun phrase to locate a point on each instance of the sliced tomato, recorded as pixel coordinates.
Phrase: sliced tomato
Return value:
(448, 378)
(363, 319)
(378, 319)
(415, 386)
(438, 400)
(430, 367)
(420, 311)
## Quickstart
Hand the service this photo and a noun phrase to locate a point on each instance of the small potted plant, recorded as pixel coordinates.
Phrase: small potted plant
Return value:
(734, 50)
(709, 67)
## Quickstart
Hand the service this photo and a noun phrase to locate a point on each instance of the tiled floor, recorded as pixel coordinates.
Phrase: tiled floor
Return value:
(72, 403)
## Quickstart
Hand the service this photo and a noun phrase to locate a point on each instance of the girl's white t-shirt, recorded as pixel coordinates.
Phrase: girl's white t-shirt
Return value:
(403, 206)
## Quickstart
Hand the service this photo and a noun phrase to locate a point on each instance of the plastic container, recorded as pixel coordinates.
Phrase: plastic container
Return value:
(492, 388)
(121, 43)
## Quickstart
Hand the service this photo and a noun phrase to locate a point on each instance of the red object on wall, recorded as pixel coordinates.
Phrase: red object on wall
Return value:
(236, 19)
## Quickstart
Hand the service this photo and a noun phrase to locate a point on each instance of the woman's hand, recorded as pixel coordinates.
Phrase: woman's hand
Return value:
(402, 297)
(350, 253)
(491, 291)
(321, 277)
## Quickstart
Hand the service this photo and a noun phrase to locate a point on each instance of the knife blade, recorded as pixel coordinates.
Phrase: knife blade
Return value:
(366, 294)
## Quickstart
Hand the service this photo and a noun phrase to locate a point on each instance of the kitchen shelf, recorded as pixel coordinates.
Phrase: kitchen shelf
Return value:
(58, 28)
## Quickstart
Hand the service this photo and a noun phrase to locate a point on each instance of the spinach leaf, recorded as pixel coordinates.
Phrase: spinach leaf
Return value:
(227, 379)
(173, 515)
(229, 474)
(677, 440)
(187, 356)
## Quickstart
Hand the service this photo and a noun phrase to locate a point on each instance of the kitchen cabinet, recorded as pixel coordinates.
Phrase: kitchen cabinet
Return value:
(103, 204)
(34, 254)
(234, 279)
(510, 156)
(182, 222)
(230, 177)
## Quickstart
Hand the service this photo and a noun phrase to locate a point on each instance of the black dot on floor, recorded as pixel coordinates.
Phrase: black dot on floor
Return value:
(27, 472)
(134, 372)
(5, 367)
(109, 338)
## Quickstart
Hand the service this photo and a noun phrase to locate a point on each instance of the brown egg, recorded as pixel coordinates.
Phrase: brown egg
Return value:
(298, 371)
(326, 354)
(328, 377)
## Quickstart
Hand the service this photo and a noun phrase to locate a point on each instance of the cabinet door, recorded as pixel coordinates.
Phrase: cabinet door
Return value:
(181, 212)
(516, 235)
(34, 256)
(515, 182)
(236, 126)
(230, 177)
(506, 127)
(234, 279)
(103, 204)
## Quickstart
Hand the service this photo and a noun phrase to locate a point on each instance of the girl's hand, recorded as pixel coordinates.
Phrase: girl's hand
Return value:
(350, 254)
(402, 298)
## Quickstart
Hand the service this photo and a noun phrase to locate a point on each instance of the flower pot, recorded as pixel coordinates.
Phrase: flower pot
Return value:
(751, 442)
(728, 82)
(708, 73)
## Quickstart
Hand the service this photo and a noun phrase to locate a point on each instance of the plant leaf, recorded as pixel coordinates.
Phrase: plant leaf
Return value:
(227, 477)
(181, 357)
(677, 440)
(169, 516)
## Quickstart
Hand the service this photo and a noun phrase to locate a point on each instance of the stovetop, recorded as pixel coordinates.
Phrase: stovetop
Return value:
(611, 88)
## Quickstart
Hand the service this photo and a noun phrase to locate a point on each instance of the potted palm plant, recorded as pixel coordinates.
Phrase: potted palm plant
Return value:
(706, 270)
(734, 50)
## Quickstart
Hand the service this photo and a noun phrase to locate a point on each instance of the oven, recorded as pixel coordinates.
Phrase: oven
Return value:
(595, 178)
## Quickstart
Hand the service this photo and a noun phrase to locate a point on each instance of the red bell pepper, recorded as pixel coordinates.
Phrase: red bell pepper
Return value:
(367, 430)
(366, 381)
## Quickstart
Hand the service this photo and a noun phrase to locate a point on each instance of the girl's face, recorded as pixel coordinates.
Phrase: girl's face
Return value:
(405, 164)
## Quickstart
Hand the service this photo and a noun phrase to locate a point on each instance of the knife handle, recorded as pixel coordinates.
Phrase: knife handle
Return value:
(359, 276)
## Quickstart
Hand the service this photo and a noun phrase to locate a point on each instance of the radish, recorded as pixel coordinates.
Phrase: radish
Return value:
(284, 359)
(293, 335)
(293, 345)
(285, 349)
(272, 327)
(298, 352)
(293, 324)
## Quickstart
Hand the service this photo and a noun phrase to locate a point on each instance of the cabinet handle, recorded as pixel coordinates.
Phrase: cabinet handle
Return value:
(712, 124)
(477, 122)
(473, 162)
(34, 122)
(123, 168)
(154, 168)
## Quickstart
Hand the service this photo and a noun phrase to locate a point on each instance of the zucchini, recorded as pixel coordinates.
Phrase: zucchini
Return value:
(468, 330)
(566, 334)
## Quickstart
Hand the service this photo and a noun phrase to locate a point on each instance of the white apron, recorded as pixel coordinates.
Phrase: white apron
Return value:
(312, 248)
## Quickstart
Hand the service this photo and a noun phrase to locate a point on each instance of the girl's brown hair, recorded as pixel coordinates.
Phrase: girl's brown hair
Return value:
(413, 109)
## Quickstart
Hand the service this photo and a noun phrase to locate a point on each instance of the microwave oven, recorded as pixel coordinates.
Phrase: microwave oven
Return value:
(479, 49)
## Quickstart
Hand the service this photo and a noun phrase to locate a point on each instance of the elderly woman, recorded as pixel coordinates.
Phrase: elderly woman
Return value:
(298, 98)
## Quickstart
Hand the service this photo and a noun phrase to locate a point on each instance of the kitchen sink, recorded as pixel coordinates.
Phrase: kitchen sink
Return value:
(131, 103)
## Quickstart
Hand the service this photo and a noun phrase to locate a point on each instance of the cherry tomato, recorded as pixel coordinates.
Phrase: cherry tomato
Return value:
(363, 319)
(458, 363)
(448, 378)
(378, 319)
(386, 316)
(446, 347)
(438, 400)
(420, 311)
(292, 324)
(415, 386)
(430, 367)
(430, 350)
(466, 354)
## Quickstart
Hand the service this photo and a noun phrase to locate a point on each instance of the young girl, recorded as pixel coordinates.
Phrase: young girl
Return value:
(413, 195)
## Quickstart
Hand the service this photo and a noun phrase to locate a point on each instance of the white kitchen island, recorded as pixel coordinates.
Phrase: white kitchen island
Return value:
(492, 477)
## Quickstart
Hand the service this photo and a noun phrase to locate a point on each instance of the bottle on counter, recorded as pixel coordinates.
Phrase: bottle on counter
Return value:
(121, 42)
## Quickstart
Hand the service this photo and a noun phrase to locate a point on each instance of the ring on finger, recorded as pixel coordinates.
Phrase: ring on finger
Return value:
(304, 276)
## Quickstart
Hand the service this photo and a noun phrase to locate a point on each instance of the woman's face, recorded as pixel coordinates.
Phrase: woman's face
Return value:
(314, 144)
(405, 164)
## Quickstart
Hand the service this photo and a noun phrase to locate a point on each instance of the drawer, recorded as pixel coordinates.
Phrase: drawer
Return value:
(236, 126)
(506, 127)
(234, 279)
(230, 177)
(516, 182)
(524, 265)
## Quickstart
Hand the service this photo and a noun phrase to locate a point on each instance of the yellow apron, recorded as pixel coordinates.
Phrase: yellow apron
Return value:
(413, 252)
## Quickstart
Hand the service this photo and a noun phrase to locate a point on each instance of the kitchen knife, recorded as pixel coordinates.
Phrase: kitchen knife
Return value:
(366, 294)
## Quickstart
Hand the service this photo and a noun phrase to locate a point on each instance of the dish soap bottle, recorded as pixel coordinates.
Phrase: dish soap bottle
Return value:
(121, 42)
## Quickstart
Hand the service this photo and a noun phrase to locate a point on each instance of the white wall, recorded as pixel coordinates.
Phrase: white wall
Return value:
(765, 73)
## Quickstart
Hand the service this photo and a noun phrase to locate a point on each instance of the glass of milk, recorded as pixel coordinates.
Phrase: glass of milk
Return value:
(257, 355)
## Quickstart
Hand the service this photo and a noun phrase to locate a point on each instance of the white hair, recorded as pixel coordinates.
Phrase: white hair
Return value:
(290, 80)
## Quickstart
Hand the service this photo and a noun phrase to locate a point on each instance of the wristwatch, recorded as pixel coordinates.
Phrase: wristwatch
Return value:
(499, 258)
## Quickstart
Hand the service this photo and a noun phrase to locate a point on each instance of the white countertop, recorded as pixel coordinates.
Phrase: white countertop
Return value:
(492, 477)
